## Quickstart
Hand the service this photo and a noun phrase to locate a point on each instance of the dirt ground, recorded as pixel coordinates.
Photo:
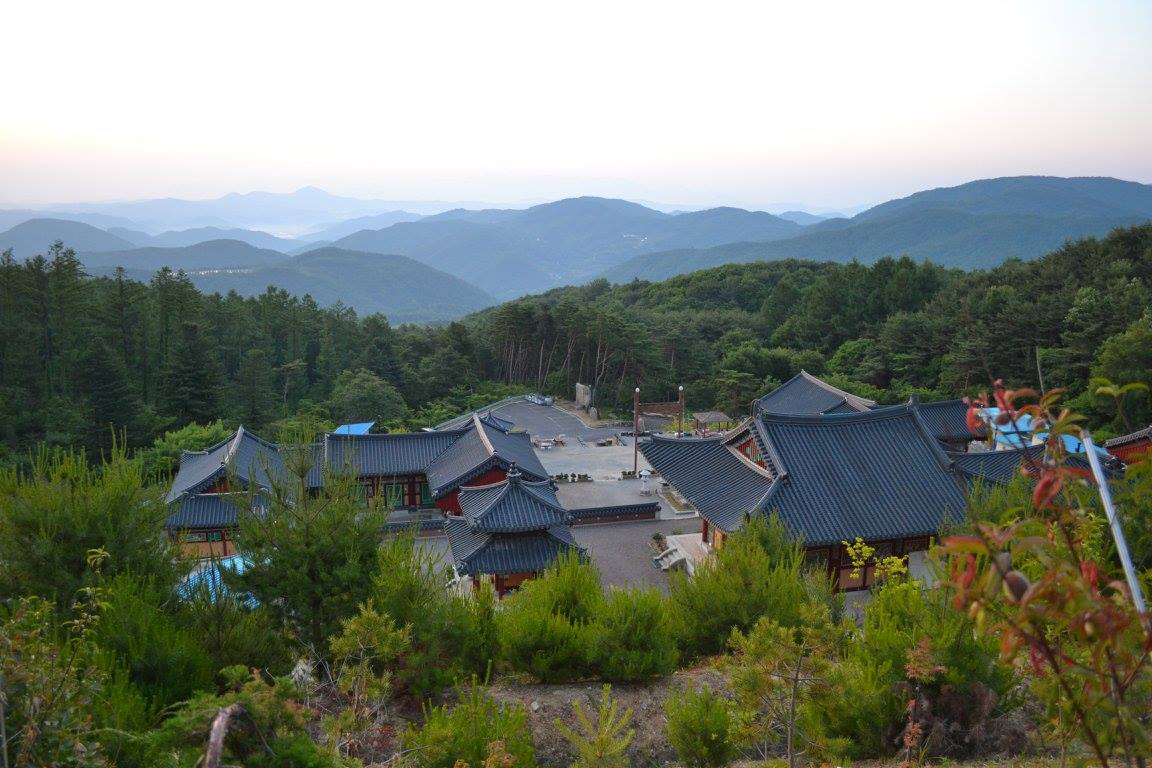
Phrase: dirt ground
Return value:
(547, 703)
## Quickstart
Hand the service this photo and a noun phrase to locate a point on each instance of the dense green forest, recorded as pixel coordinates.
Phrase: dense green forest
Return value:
(81, 355)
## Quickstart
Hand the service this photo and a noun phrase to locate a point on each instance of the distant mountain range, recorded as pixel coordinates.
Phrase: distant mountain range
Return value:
(401, 288)
(512, 252)
(372, 259)
(979, 224)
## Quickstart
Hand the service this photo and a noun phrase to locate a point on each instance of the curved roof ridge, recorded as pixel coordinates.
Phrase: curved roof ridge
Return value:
(674, 439)
(479, 426)
(831, 388)
(877, 414)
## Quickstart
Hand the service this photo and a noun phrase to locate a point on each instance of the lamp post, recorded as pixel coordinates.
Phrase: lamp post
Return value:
(681, 410)
(635, 430)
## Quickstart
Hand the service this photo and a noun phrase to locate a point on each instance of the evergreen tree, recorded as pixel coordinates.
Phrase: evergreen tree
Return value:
(255, 394)
(113, 405)
(192, 379)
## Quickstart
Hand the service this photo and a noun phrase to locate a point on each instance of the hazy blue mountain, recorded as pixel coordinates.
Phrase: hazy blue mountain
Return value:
(297, 211)
(181, 238)
(1046, 196)
(944, 237)
(36, 235)
(334, 231)
(979, 224)
(511, 252)
(502, 262)
(213, 254)
(11, 217)
(401, 288)
(803, 218)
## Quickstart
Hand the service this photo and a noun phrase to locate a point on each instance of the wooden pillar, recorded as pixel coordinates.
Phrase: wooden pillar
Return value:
(704, 529)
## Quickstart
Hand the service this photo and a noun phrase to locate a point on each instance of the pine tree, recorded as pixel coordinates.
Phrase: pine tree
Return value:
(255, 389)
(113, 405)
(191, 379)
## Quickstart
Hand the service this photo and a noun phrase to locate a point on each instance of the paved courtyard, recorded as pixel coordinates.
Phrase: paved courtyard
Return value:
(545, 422)
(621, 551)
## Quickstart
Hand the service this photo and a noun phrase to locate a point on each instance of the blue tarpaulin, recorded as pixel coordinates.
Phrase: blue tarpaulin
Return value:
(208, 576)
(360, 428)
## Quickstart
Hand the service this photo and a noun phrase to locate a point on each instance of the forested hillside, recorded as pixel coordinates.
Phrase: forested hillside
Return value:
(884, 331)
(974, 225)
(78, 354)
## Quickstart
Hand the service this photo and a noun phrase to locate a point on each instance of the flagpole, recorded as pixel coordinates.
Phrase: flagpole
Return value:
(635, 430)
(1117, 530)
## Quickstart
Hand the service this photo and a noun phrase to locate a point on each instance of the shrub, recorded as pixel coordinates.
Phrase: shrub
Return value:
(699, 728)
(166, 662)
(409, 588)
(758, 572)
(63, 508)
(546, 629)
(633, 638)
(602, 744)
(549, 646)
(465, 731)
(269, 731)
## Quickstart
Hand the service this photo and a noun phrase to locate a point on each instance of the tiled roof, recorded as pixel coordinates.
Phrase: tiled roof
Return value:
(947, 420)
(805, 395)
(245, 454)
(616, 510)
(512, 506)
(713, 476)
(1001, 467)
(475, 552)
(206, 510)
(479, 449)
(996, 467)
(405, 453)
(1131, 437)
(877, 475)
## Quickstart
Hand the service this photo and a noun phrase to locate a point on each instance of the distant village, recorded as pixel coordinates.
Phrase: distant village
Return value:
(504, 491)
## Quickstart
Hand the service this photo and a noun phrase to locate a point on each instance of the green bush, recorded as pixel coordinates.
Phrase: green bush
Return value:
(271, 732)
(166, 662)
(633, 637)
(758, 572)
(546, 629)
(463, 732)
(409, 587)
(700, 728)
(548, 646)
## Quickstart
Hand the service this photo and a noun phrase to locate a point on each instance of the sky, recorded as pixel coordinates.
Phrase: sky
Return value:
(829, 105)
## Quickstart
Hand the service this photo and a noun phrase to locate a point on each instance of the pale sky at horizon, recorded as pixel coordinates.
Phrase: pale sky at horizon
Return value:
(832, 105)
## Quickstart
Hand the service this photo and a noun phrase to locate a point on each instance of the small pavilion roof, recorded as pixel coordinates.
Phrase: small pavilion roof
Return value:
(476, 552)
(514, 505)
(206, 510)
(805, 395)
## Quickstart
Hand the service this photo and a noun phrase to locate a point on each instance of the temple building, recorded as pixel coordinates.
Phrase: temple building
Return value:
(878, 474)
(947, 420)
(804, 395)
(1131, 447)
(212, 485)
(510, 531)
(417, 471)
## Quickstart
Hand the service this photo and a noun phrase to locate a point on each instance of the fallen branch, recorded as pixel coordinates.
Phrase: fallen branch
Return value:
(219, 730)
